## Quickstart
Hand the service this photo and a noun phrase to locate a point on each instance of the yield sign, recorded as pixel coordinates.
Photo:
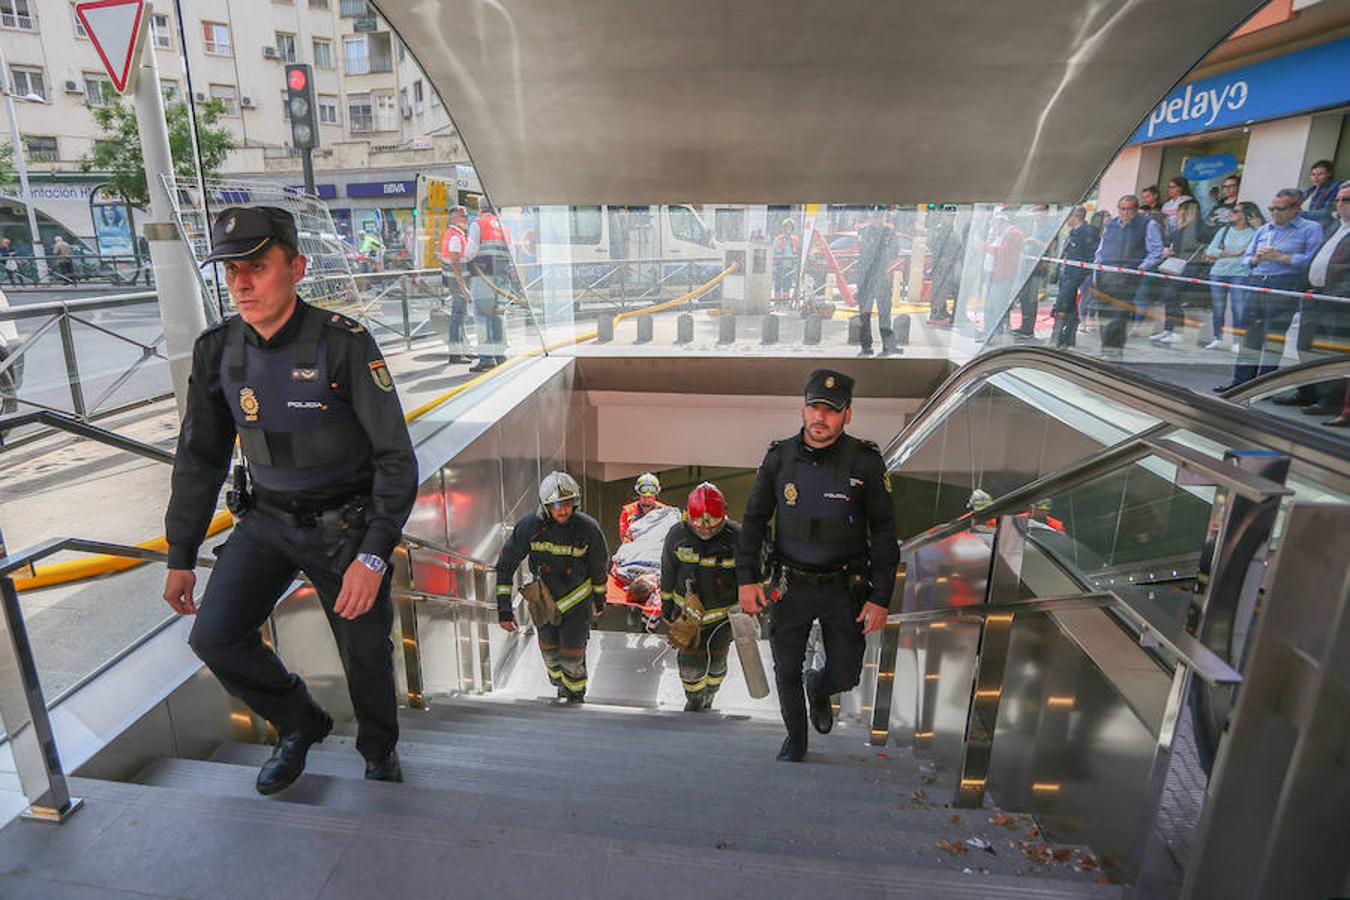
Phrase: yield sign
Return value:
(116, 27)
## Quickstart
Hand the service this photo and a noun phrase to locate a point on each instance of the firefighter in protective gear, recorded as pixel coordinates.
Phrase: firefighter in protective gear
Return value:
(567, 553)
(699, 557)
(489, 255)
(834, 542)
(647, 488)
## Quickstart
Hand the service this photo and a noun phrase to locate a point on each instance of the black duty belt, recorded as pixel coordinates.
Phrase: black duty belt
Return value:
(312, 518)
(817, 577)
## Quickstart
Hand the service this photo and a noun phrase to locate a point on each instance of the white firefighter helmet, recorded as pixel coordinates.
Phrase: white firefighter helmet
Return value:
(647, 485)
(557, 487)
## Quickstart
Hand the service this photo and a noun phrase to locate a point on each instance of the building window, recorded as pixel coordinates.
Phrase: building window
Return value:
(79, 26)
(98, 90)
(386, 112)
(15, 14)
(402, 52)
(355, 9)
(40, 149)
(323, 54)
(286, 47)
(419, 98)
(168, 89)
(318, 4)
(27, 81)
(226, 94)
(161, 31)
(358, 60)
(216, 36)
(368, 53)
(285, 107)
(360, 114)
(328, 110)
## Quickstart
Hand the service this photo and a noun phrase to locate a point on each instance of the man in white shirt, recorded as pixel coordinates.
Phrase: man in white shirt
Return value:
(1329, 275)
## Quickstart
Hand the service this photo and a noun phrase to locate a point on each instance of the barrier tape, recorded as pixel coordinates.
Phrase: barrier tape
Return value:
(89, 567)
(1122, 270)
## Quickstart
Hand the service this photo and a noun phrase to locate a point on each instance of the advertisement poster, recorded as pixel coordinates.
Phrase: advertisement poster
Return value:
(112, 224)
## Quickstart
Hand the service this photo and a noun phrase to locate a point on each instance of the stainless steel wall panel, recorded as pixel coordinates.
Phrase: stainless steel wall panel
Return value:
(305, 642)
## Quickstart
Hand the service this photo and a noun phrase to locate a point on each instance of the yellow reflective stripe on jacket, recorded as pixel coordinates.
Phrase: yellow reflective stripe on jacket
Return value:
(558, 549)
(503, 589)
(575, 596)
(684, 554)
(716, 615)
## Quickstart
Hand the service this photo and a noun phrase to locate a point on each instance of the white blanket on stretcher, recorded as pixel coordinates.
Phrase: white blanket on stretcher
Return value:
(642, 555)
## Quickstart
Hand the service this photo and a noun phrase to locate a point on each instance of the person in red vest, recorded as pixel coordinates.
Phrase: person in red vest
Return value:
(489, 255)
(454, 246)
(647, 488)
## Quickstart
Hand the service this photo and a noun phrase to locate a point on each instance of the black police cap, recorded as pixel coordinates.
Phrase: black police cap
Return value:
(246, 232)
(829, 386)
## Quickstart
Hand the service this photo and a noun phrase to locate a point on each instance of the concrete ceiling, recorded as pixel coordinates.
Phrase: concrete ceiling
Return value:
(790, 101)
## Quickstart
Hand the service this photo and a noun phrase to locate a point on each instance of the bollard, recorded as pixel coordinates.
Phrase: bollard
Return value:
(769, 333)
(900, 330)
(684, 329)
(855, 327)
(811, 330)
(726, 329)
(644, 330)
(604, 330)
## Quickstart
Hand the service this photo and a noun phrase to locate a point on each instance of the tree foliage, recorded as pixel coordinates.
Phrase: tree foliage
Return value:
(118, 150)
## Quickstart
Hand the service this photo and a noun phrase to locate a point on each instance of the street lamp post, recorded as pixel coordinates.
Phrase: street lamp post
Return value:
(39, 253)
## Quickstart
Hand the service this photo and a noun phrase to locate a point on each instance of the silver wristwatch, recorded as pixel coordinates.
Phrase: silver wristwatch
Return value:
(373, 563)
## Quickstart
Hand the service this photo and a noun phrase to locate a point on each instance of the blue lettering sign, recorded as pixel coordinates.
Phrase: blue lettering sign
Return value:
(1296, 82)
(1206, 168)
(381, 188)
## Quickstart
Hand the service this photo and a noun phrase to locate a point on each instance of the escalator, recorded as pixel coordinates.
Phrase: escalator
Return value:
(1017, 729)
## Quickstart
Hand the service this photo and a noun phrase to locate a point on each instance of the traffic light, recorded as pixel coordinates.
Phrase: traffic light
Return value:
(300, 104)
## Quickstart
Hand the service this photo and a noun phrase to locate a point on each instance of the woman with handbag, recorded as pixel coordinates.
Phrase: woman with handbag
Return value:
(1230, 270)
(1182, 248)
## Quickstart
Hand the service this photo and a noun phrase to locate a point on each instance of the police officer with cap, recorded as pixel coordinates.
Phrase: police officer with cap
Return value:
(833, 558)
(333, 478)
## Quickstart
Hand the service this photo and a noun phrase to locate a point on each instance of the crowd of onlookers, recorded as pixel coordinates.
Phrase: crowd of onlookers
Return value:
(1240, 253)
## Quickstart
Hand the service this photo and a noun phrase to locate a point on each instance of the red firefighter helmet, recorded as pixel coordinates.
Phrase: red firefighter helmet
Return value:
(706, 511)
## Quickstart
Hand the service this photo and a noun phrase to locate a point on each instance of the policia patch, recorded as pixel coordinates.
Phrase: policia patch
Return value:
(379, 373)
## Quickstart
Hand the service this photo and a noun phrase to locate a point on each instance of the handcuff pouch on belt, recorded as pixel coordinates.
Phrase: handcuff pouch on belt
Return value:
(539, 600)
(239, 498)
(343, 530)
(684, 631)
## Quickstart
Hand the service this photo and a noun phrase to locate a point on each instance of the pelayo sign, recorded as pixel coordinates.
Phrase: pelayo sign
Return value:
(1296, 82)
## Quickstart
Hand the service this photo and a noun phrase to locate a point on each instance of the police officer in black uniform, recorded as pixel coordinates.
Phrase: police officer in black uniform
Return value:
(330, 479)
(834, 553)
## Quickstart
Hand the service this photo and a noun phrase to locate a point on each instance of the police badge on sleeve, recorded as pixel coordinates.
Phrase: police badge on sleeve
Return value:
(379, 373)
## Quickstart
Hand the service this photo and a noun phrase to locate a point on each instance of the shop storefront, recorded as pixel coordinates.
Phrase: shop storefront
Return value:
(1266, 122)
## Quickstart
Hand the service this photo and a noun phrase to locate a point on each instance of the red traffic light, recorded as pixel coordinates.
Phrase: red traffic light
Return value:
(296, 79)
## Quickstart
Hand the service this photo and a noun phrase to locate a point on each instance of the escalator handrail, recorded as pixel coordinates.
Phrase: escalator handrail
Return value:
(1107, 460)
(1177, 406)
(1201, 660)
(1310, 372)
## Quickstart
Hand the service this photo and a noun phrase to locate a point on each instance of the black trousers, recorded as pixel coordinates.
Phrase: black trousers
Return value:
(880, 297)
(1066, 306)
(563, 647)
(705, 669)
(255, 565)
(789, 629)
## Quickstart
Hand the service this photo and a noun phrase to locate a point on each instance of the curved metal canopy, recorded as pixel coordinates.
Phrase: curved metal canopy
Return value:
(789, 101)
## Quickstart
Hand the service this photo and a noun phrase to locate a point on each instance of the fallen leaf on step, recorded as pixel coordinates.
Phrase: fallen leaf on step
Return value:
(954, 848)
(1005, 822)
(1063, 854)
(917, 798)
(956, 820)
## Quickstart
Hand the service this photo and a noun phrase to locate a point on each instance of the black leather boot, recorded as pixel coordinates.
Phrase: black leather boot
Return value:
(821, 710)
(387, 769)
(794, 747)
(287, 762)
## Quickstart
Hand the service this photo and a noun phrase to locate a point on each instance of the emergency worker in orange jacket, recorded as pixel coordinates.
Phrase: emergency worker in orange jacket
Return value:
(647, 488)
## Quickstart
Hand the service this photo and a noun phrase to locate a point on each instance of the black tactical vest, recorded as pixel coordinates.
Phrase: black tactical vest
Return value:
(297, 432)
(820, 521)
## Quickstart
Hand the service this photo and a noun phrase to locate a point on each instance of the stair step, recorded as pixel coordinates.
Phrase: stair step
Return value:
(772, 794)
(548, 841)
(537, 708)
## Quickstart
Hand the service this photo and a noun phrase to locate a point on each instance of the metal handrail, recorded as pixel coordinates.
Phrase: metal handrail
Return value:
(26, 558)
(1201, 660)
(423, 544)
(54, 307)
(1107, 460)
(1309, 372)
(1177, 406)
(64, 422)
